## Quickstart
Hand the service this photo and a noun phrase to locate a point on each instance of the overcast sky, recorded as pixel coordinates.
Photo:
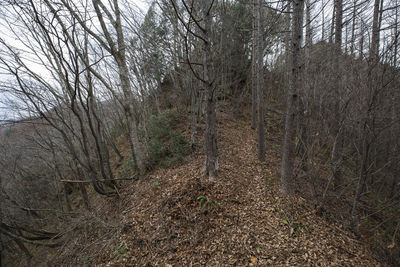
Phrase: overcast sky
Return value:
(6, 112)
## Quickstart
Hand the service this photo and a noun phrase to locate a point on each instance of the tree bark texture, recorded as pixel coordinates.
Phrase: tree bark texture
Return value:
(254, 69)
(289, 139)
(211, 163)
(260, 83)
(338, 144)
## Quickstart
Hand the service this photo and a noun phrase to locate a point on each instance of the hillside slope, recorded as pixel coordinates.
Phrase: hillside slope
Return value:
(175, 217)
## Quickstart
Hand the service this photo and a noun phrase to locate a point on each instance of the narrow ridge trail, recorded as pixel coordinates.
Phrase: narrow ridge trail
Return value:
(176, 217)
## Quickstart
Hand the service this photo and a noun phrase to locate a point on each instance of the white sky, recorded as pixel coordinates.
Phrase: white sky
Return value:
(6, 112)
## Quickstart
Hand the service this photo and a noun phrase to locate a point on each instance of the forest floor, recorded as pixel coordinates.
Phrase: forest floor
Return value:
(176, 217)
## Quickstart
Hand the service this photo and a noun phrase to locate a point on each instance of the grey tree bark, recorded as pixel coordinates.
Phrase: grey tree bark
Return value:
(260, 83)
(374, 49)
(332, 25)
(367, 101)
(289, 142)
(353, 28)
(338, 144)
(254, 69)
(304, 94)
(211, 162)
(117, 49)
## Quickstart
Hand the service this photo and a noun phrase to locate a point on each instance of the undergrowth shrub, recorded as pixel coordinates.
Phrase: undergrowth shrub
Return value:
(167, 146)
(127, 169)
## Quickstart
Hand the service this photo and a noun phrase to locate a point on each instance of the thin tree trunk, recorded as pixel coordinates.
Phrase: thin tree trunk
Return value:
(84, 195)
(260, 83)
(211, 162)
(332, 25)
(366, 109)
(289, 144)
(323, 21)
(395, 119)
(374, 49)
(338, 144)
(119, 54)
(353, 28)
(304, 94)
(361, 44)
(28, 255)
(362, 175)
(66, 198)
(82, 188)
(194, 110)
(287, 47)
(254, 69)
(2, 247)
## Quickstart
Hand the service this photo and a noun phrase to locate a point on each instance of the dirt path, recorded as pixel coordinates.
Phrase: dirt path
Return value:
(177, 218)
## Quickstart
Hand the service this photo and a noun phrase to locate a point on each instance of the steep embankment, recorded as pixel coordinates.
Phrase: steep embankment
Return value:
(175, 217)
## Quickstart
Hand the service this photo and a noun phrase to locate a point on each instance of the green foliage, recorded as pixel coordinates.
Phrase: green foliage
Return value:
(270, 178)
(120, 251)
(243, 123)
(127, 169)
(293, 218)
(208, 204)
(167, 146)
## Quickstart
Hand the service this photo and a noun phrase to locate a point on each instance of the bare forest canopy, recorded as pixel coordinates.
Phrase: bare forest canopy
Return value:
(96, 95)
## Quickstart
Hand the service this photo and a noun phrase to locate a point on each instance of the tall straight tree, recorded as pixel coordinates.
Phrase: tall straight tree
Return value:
(353, 27)
(366, 106)
(203, 32)
(302, 149)
(289, 139)
(374, 48)
(254, 69)
(211, 162)
(260, 84)
(338, 144)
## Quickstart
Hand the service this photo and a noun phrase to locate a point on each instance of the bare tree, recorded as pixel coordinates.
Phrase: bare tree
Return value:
(338, 144)
(289, 144)
(117, 49)
(260, 83)
(254, 69)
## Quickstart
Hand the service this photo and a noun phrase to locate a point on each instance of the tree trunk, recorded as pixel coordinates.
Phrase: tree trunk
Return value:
(362, 175)
(66, 198)
(260, 83)
(338, 144)
(254, 69)
(374, 49)
(361, 44)
(332, 25)
(193, 112)
(289, 142)
(119, 53)
(287, 47)
(28, 255)
(323, 21)
(82, 188)
(353, 28)
(2, 247)
(84, 195)
(394, 115)
(366, 110)
(137, 152)
(304, 94)
(211, 162)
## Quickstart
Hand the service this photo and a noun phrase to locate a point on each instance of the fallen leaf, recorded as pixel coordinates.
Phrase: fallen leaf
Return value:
(391, 245)
(253, 260)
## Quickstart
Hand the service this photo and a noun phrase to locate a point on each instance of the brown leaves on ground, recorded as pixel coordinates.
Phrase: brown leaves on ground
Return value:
(175, 217)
